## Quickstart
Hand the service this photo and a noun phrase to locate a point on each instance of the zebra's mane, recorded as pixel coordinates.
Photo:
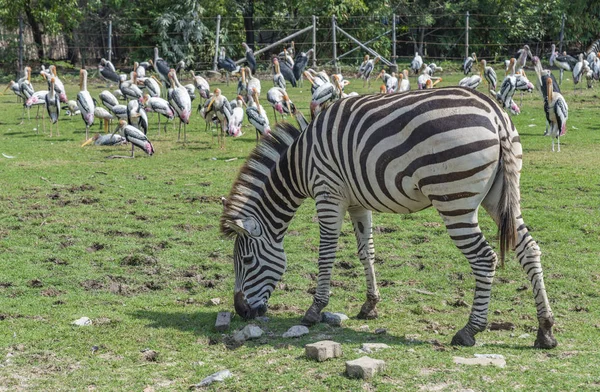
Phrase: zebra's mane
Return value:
(261, 159)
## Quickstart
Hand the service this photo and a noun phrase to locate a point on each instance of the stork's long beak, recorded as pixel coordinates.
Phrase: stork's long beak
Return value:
(212, 100)
(436, 82)
(287, 103)
(157, 80)
(89, 141)
(309, 77)
(7, 87)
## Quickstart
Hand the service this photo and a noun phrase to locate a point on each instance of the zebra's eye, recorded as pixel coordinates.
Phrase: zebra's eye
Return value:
(247, 260)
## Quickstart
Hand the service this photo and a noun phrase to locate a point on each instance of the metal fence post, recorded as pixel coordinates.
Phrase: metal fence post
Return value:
(395, 66)
(20, 45)
(314, 38)
(467, 36)
(562, 34)
(110, 40)
(217, 43)
(333, 27)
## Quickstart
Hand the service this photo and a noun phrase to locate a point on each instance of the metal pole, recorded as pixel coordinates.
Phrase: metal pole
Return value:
(366, 43)
(394, 39)
(20, 45)
(562, 33)
(314, 59)
(374, 53)
(467, 36)
(110, 40)
(274, 44)
(333, 27)
(217, 43)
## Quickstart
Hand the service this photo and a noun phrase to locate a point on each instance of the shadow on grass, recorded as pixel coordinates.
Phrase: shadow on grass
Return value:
(201, 323)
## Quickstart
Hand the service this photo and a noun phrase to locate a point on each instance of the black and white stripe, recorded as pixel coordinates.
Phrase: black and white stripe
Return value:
(452, 148)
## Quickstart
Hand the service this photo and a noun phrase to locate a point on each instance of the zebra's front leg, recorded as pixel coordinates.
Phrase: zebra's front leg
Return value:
(331, 217)
(467, 237)
(362, 222)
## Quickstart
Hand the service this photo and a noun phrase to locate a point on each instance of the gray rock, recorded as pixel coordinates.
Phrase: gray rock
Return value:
(215, 301)
(500, 362)
(223, 321)
(247, 333)
(363, 328)
(380, 331)
(335, 319)
(364, 367)
(296, 331)
(323, 350)
(82, 322)
(218, 376)
(370, 347)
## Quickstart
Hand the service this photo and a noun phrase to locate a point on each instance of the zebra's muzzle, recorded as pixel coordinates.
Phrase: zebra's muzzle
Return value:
(243, 309)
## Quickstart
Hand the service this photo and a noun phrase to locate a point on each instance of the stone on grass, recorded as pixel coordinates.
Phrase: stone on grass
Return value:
(82, 322)
(218, 376)
(335, 319)
(215, 301)
(296, 331)
(364, 367)
(380, 331)
(323, 350)
(150, 355)
(370, 347)
(363, 328)
(485, 361)
(223, 321)
(247, 333)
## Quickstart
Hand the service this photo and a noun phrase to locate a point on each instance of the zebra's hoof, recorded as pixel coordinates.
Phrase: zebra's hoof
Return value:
(367, 314)
(463, 338)
(311, 317)
(545, 339)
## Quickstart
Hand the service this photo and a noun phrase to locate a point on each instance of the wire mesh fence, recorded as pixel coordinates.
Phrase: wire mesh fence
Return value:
(445, 38)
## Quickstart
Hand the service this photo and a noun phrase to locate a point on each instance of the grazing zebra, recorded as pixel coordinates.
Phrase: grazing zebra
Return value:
(453, 148)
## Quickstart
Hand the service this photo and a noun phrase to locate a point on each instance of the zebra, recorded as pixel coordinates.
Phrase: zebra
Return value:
(451, 148)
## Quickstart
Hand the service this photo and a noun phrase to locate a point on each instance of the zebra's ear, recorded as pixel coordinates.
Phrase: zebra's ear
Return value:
(247, 226)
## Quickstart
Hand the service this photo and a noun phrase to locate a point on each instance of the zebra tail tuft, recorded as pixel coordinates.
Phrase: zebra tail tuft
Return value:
(509, 199)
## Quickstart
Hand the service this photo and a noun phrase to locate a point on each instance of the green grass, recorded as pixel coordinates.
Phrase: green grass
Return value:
(134, 245)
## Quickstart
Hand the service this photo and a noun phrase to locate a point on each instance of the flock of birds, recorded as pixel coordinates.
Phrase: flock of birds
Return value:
(163, 94)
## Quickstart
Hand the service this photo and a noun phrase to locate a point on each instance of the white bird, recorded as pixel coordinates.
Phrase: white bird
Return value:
(278, 79)
(253, 83)
(237, 117)
(108, 99)
(433, 68)
(383, 75)
(258, 117)
(130, 89)
(53, 106)
(578, 70)
(72, 109)
(468, 63)
(120, 111)
(26, 89)
(38, 99)
(104, 115)
(522, 59)
(161, 67)
(557, 113)
(392, 84)
(159, 106)
(366, 68)
(220, 105)
(85, 102)
(564, 62)
(152, 85)
(278, 97)
(136, 116)
(404, 83)
(180, 101)
(201, 85)
(472, 81)
(135, 137)
(489, 75)
(416, 63)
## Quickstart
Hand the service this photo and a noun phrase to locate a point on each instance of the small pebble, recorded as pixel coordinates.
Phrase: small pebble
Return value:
(84, 321)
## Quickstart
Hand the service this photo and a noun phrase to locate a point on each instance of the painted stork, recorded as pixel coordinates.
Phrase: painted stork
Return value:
(71, 109)
(135, 137)
(136, 116)
(383, 75)
(258, 117)
(366, 68)
(489, 75)
(403, 82)
(120, 111)
(288, 73)
(242, 86)
(237, 117)
(159, 106)
(108, 72)
(326, 93)
(391, 86)
(104, 115)
(222, 109)
(253, 83)
(472, 81)
(151, 84)
(161, 67)
(563, 62)
(578, 70)
(278, 79)
(180, 101)
(522, 59)
(14, 87)
(108, 99)
(278, 97)
(105, 140)
(226, 63)
(542, 77)
(416, 63)
(557, 113)
(140, 70)
(26, 89)
(59, 87)
(85, 102)
(287, 59)
(201, 85)
(250, 57)
(130, 89)
(468, 63)
(433, 68)
(300, 63)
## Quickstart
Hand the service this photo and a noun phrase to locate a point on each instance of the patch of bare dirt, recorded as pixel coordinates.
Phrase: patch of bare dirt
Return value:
(138, 260)
(91, 284)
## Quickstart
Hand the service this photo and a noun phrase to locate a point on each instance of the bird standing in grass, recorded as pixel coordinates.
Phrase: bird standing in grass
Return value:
(557, 113)
(53, 106)
(135, 137)
(85, 103)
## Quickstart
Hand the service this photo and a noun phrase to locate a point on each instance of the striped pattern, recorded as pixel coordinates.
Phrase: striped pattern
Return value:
(452, 148)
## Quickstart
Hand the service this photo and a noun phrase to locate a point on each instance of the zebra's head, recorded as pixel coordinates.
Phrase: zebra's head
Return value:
(259, 263)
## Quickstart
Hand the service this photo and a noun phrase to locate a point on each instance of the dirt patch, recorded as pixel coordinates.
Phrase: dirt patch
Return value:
(91, 284)
(4, 285)
(55, 260)
(203, 199)
(384, 230)
(137, 260)
(502, 326)
(89, 200)
(35, 283)
(81, 188)
(95, 247)
(285, 308)
(345, 265)
(51, 292)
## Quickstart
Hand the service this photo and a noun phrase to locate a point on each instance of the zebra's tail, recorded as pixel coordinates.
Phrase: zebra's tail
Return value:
(509, 205)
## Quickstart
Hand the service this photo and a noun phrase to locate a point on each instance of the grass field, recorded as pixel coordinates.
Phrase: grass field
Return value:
(134, 245)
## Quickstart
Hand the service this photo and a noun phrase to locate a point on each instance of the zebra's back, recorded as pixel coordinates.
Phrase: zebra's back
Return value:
(402, 152)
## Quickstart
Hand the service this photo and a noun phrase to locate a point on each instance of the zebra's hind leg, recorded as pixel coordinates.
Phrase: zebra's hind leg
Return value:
(362, 222)
(467, 237)
(331, 216)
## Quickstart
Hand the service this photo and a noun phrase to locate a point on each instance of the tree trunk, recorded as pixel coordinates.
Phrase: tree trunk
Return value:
(248, 15)
(421, 38)
(37, 32)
